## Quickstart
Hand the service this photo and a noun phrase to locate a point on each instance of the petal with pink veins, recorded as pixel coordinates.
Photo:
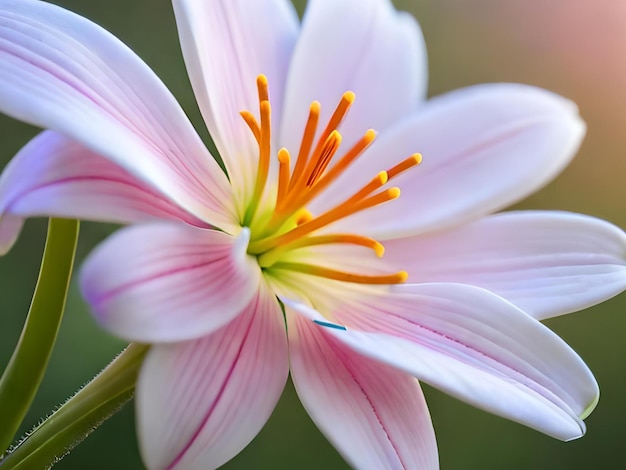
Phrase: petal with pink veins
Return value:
(56, 176)
(473, 345)
(546, 263)
(60, 71)
(165, 282)
(484, 147)
(364, 46)
(374, 415)
(200, 402)
(226, 45)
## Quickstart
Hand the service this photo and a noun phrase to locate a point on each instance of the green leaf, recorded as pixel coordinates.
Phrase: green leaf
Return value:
(21, 379)
(80, 415)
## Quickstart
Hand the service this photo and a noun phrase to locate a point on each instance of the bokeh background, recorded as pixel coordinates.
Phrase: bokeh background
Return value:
(574, 47)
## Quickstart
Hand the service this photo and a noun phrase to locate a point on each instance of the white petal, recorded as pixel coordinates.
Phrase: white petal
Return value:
(226, 45)
(199, 403)
(484, 148)
(546, 263)
(56, 176)
(374, 415)
(168, 282)
(364, 46)
(475, 346)
(60, 71)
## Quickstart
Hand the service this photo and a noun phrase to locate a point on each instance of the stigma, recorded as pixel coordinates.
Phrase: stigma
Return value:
(289, 225)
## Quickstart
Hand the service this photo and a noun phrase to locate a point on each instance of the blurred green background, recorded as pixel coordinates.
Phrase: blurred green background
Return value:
(574, 47)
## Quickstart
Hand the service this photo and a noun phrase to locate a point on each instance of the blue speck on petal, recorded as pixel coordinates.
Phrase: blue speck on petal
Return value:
(330, 325)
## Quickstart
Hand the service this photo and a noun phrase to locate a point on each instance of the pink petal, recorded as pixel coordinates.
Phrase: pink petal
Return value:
(60, 71)
(166, 282)
(374, 415)
(10, 228)
(199, 403)
(226, 45)
(364, 46)
(484, 148)
(473, 345)
(546, 263)
(56, 176)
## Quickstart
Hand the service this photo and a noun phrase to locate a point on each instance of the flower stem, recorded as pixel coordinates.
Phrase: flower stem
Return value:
(80, 415)
(23, 375)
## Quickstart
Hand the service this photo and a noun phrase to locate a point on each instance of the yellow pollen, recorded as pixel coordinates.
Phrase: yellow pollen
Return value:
(303, 217)
(290, 226)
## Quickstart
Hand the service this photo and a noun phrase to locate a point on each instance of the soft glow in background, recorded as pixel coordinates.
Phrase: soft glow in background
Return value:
(574, 47)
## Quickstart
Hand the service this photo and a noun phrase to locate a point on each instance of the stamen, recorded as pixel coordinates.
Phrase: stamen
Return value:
(356, 203)
(264, 159)
(271, 257)
(252, 124)
(340, 112)
(303, 197)
(284, 163)
(379, 180)
(307, 142)
(396, 278)
(327, 152)
(262, 87)
(404, 165)
(291, 226)
(345, 161)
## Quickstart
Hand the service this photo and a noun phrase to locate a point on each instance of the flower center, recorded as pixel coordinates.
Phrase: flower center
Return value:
(289, 225)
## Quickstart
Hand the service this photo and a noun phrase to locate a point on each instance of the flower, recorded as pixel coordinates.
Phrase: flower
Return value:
(302, 257)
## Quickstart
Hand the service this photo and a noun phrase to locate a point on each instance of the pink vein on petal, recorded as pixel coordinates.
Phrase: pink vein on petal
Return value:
(107, 295)
(68, 79)
(209, 412)
(154, 194)
(349, 369)
(523, 379)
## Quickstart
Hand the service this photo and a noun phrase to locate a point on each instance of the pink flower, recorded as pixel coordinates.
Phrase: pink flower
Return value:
(238, 278)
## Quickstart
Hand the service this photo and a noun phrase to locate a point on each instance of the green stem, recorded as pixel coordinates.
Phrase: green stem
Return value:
(80, 415)
(23, 375)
